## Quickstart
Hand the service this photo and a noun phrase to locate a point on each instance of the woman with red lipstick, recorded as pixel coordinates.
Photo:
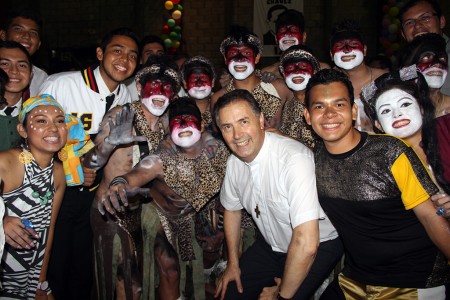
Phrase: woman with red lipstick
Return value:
(33, 187)
(399, 104)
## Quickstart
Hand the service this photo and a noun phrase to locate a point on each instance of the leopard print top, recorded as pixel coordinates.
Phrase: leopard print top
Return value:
(270, 104)
(197, 180)
(294, 123)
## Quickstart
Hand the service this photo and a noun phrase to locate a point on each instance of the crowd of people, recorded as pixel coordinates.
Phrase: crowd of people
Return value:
(149, 176)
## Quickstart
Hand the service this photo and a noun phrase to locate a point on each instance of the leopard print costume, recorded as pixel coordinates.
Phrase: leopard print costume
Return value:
(197, 180)
(270, 104)
(294, 124)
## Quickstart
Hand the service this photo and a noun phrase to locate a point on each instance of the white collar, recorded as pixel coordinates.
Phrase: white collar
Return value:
(102, 87)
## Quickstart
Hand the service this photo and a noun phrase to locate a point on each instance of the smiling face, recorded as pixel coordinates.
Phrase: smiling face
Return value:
(118, 61)
(16, 64)
(25, 32)
(185, 130)
(331, 115)
(398, 113)
(242, 130)
(45, 129)
(156, 96)
(297, 74)
(434, 67)
(420, 19)
(348, 53)
(241, 61)
(199, 85)
(288, 36)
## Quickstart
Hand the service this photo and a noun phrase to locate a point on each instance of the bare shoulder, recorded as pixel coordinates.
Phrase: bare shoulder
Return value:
(58, 174)
(324, 65)
(271, 68)
(216, 97)
(283, 91)
(8, 160)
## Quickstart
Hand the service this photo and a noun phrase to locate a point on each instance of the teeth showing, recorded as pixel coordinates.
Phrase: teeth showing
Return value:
(348, 58)
(244, 143)
(434, 73)
(330, 126)
(185, 133)
(120, 68)
(240, 68)
(158, 102)
(401, 123)
(51, 139)
(298, 79)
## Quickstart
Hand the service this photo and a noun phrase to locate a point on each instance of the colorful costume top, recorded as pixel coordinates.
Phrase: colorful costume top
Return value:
(21, 268)
(294, 125)
(369, 193)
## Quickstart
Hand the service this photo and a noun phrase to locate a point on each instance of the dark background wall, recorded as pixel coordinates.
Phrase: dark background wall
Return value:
(72, 29)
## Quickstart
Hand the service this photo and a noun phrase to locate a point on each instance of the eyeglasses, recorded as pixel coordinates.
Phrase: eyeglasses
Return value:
(423, 19)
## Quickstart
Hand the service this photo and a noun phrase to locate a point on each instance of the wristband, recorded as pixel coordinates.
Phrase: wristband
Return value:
(118, 179)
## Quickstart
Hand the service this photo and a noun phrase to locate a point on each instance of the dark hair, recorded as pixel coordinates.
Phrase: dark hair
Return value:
(327, 76)
(419, 90)
(408, 5)
(124, 31)
(411, 53)
(236, 96)
(26, 14)
(382, 60)
(16, 45)
(150, 39)
(185, 106)
(346, 29)
(3, 80)
(164, 62)
(290, 17)
(274, 8)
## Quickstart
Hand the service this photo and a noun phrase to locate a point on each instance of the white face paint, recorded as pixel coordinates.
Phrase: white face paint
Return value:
(345, 61)
(399, 113)
(293, 78)
(245, 69)
(287, 41)
(201, 92)
(435, 77)
(156, 104)
(185, 137)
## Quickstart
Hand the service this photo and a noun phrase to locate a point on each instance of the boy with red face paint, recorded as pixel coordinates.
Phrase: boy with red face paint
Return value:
(347, 52)
(241, 51)
(182, 184)
(290, 27)
(198, 80)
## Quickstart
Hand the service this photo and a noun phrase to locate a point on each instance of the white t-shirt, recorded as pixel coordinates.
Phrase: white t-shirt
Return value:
(39, 76)
(281, 181)
(76, 98)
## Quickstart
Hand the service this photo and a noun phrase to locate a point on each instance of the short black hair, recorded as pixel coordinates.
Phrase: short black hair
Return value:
(346, 29)
(291, 17)
(124, 31)
(150, 39)
(408, 5)
(411, 53)
(185, 106)
(16, 45)
(26, 14)
(236, 96)
(327, 76)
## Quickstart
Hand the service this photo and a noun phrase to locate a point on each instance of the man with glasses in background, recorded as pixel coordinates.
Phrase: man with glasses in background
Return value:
(424, 16)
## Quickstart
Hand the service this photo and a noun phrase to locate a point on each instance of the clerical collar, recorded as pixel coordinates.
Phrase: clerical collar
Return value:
(102, 87)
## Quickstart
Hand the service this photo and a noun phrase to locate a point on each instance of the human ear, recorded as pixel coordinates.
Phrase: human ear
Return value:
(99, 52)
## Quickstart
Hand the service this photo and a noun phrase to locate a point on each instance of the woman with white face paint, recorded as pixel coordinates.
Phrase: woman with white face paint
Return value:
(297, 65)
(428, 53)
(399, 105)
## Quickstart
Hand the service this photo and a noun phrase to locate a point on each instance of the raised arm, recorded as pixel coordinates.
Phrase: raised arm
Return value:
(116, 129)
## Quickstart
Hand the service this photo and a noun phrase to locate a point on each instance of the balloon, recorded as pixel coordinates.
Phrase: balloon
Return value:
(393, 11)
(176, 44)
(179, 7)
(173, 35)
(166, 29)
(168, 43)
(176, 15)
(171, 22)
(176, 1)
(393, 28)
(168, 5)
(177, 28)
